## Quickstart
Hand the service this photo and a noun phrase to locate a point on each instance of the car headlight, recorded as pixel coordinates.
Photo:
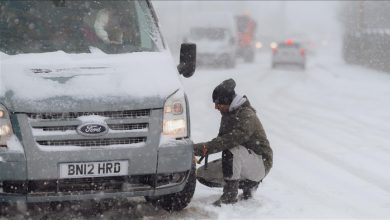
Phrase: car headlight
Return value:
(5, 126)
(175, 116)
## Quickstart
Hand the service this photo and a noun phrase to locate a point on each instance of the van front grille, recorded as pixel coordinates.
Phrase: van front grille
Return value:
(60, 129)
(93, 142)
(123, 127)
(128, 127)
(74, 115)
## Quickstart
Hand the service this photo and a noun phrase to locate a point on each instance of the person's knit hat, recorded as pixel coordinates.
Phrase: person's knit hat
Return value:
(224, 93)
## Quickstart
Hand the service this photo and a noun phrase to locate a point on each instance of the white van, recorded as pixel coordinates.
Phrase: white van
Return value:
(91, 104)
(215, 37)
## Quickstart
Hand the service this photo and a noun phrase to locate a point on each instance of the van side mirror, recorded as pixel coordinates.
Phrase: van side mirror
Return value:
(187, 63)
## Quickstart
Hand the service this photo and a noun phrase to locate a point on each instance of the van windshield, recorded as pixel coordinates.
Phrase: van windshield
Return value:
(114, 27)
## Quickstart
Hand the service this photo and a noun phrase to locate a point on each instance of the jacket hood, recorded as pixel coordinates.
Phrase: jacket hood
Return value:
(237, 102)
(60, 82)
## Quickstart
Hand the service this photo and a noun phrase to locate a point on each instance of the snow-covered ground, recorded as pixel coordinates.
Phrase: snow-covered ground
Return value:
(329, 129)
(328, 126)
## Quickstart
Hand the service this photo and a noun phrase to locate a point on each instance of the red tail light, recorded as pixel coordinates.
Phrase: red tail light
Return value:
(289, 42)
(274, 50)
(302, 52)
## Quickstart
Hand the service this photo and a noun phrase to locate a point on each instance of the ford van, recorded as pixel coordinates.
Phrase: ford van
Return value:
(91, 104)
(215, 37)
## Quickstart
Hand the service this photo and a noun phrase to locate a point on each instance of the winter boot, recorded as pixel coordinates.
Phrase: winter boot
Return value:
(230, 191)
(248, 188)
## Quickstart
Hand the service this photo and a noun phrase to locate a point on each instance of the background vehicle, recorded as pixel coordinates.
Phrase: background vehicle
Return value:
(246, 27)
(83, 110)
(288, 53)
(214, 35)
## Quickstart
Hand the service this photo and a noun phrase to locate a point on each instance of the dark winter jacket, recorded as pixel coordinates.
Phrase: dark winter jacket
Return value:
(240, 127)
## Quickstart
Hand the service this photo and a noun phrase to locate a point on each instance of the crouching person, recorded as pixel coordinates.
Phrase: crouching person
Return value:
(246, 153)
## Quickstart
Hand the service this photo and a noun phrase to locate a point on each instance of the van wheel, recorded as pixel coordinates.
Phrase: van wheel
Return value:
(176, 201)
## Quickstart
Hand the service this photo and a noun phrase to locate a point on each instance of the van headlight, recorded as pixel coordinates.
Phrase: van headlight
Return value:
(175, 116)
(5, 126)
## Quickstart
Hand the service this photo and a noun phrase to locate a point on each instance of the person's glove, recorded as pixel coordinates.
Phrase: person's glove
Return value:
(200, 149)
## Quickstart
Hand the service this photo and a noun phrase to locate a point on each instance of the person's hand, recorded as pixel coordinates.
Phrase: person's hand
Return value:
(200, 149)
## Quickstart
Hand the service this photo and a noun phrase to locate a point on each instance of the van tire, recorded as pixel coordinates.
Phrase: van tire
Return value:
(176, 201)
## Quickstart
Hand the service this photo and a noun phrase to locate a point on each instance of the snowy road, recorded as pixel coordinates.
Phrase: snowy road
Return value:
(329, 129)
(328, 126)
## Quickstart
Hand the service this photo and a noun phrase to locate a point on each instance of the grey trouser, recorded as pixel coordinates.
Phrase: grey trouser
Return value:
(243, 164)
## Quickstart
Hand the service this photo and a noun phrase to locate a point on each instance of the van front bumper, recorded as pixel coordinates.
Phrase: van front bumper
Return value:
(91, 188)
(174, 165)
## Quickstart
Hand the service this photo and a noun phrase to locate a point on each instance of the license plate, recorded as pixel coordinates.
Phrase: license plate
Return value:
(94, 169)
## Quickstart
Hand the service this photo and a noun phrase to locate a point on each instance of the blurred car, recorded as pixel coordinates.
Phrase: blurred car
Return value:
(288, 53)
(215, 38)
